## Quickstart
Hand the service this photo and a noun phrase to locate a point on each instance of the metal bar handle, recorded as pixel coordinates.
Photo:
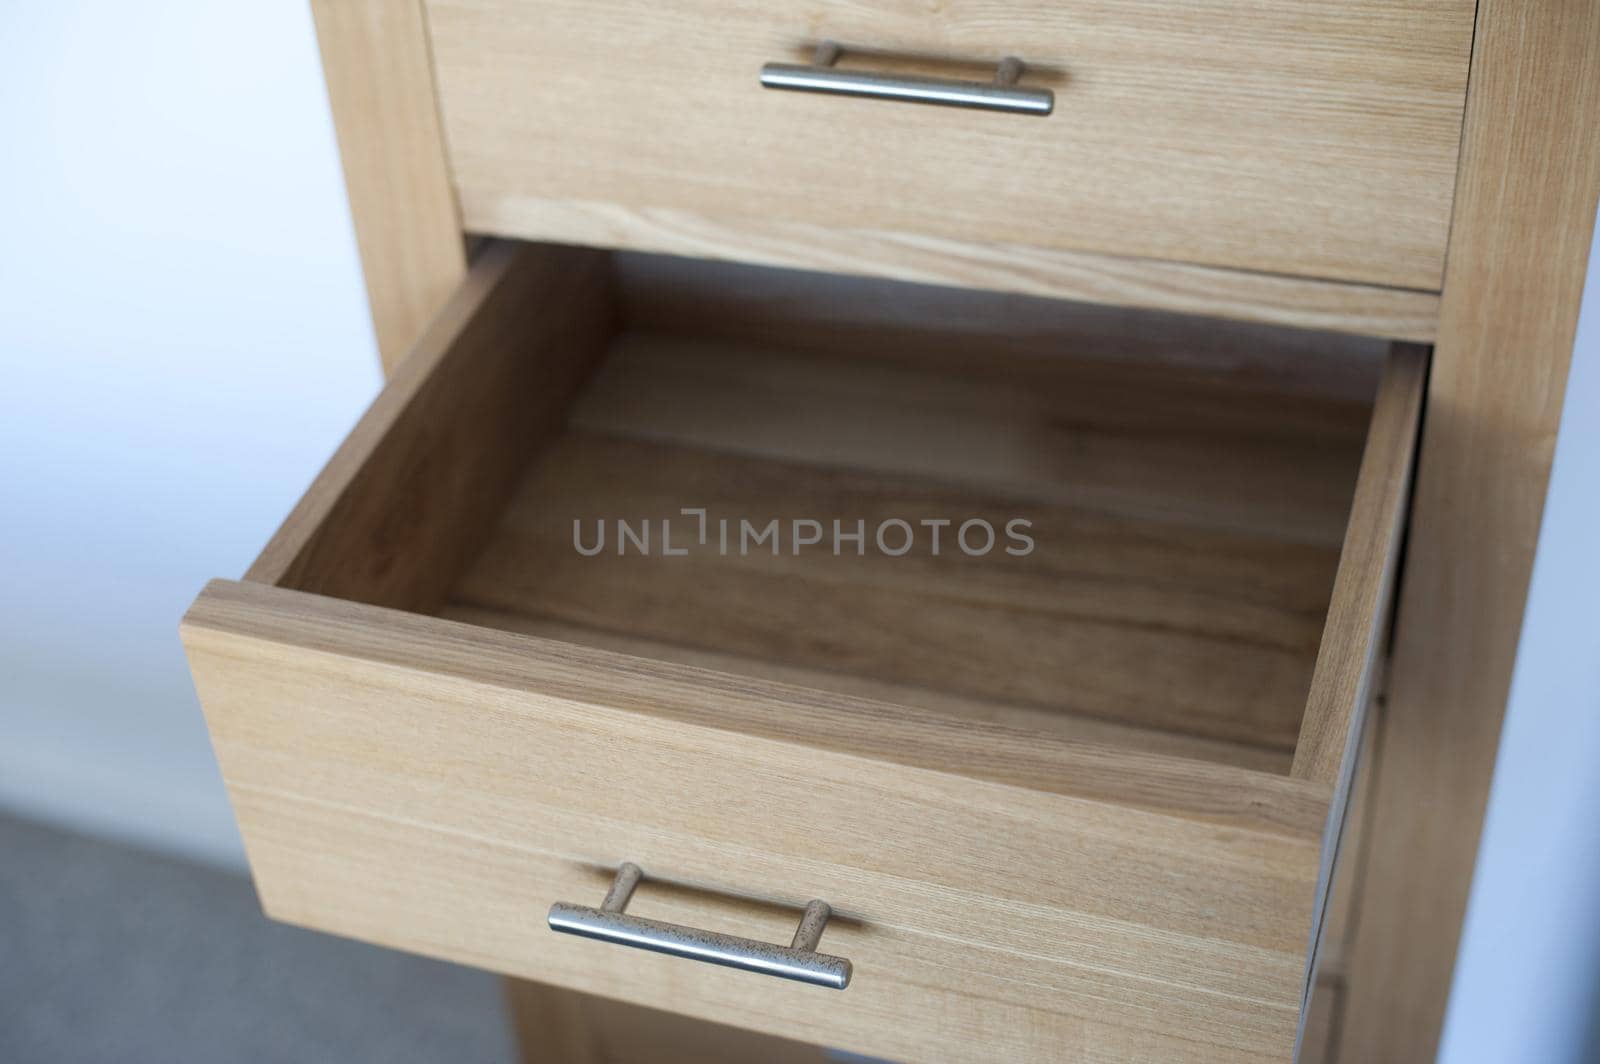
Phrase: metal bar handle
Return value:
(610, 923)
(1003, 94)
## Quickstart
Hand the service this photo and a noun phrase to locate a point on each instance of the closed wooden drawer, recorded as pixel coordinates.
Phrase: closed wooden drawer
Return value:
(1067, 799)
(1316, 139)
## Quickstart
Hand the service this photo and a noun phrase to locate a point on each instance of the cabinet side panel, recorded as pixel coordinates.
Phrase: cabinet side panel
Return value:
(1525, 208)
(379, 70)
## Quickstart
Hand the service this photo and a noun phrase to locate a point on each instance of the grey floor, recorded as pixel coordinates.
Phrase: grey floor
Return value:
(111, 954)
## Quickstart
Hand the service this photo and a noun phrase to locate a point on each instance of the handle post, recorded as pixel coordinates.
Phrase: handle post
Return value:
(622, 887)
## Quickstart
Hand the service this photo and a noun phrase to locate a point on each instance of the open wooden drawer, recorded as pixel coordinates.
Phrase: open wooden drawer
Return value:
(1066, 794)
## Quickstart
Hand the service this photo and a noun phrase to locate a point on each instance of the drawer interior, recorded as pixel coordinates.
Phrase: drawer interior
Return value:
(1174, 493)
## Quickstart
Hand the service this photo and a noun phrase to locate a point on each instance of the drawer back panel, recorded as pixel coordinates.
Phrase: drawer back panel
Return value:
(1310, 138)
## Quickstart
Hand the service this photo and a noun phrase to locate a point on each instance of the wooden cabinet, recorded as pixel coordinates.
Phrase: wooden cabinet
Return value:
(1075, 801)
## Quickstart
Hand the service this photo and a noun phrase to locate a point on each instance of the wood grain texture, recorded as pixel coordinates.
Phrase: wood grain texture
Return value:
(405, 501)
(1186, 446)
(930, 324)
(379, 70)
(1309, 303)
(1342, 913)
(1316, 138)
(1328, 979)
(1022, 718)
(504, 772)
(1350, 663)
(1184, 541)
(1352, 644)
(1525, 206)
(379, 759)
(559, 1026)
(861, 728)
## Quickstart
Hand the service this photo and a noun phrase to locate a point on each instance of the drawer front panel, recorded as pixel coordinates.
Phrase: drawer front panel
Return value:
(435, 787)
(1310, 138)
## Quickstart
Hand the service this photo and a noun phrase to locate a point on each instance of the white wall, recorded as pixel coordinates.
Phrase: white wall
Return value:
(183, 339)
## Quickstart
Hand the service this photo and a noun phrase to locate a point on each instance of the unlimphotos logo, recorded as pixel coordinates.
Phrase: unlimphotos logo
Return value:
(893, 537)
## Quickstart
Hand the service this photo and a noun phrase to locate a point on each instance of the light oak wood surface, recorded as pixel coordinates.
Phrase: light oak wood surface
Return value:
(454, 781)
(1125, 889)
(1013, 716)
(377, 60)
(1352, 647)
(352, 510)
(914, 323)
(1314, 139)
(1349, 669)
(1342, 913)
(1525, 208)
(558, 1026)
(1110, 280)
(405, 500)
(1179, 579)
(1328, 987)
